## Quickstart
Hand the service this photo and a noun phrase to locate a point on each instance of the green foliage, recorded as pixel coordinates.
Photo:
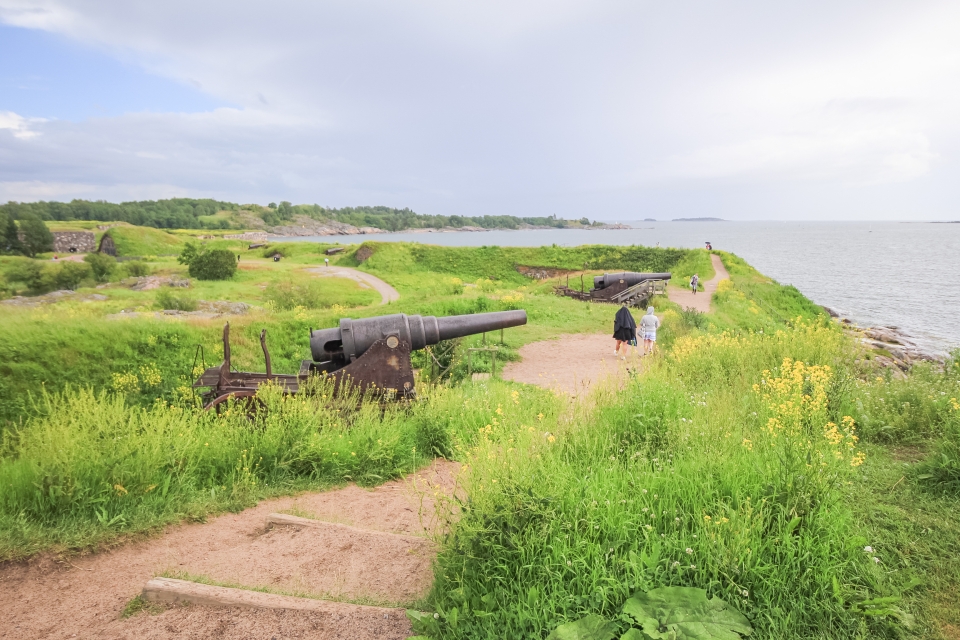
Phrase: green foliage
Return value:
(90, 468)
(189, 252)
(176, 213)
(136, 268)
(189, 213)
(589, 627)
(102, 265)
(10, 241)
(36, 236)
(168, 299)
(667, 613)
(685, 613)
(213, 264)
(43, 277)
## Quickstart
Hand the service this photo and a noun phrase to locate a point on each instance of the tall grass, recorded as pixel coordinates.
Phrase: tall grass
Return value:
(92, 468)
(678, 479)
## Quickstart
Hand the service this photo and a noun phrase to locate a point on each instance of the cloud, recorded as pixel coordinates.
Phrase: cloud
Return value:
(18, 126)
(537, 107)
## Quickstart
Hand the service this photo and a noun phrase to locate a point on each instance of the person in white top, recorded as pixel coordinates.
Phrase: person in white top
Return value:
(648, 330)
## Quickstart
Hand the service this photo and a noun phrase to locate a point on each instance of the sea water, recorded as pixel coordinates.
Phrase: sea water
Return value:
(898, 274)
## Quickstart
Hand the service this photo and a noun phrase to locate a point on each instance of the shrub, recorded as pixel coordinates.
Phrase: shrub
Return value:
(36, 236)
(69, 275)
(215, 264)
(167, 299)
(136, 269)
(101, 264)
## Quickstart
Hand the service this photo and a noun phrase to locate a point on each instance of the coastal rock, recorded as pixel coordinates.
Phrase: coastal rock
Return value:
(303, 226)
(148, 283)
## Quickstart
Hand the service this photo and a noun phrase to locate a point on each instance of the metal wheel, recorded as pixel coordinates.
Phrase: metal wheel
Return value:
(246, 399)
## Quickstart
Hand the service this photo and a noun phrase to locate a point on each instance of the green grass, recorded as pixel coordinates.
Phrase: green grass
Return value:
(555, 521)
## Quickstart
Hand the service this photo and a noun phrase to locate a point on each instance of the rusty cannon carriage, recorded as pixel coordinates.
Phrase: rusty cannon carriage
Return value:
(625, 287)
(371, 355)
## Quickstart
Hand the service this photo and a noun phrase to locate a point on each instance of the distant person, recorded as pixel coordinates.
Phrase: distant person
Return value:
(648, 328)
(694, 283)
(709, 247)
(238, 257)
(624, 330)
(326, 261)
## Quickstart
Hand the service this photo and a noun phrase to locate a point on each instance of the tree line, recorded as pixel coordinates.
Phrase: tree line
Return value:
(190, 213)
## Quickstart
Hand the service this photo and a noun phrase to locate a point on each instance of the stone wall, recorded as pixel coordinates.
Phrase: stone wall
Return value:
(79, 241)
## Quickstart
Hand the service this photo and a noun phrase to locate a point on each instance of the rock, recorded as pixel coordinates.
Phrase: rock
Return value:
(96, 296)
(149, 283)
(831, 312)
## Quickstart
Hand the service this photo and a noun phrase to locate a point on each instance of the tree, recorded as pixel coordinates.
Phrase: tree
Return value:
(36, 237)
(10, 240)
(189, 252)
(102, 265)
(215, 264)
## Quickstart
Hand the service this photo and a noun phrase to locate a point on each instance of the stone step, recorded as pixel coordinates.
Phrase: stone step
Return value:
(319, 559)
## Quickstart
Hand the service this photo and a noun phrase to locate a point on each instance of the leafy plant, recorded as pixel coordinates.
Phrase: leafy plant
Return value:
(136, 269)
(591, 627)
(168, 300)
(212, 264)
(668, 613)
(101, 264)
(685, 613)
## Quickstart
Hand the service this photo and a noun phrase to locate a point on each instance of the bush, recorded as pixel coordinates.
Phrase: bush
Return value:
(215, 264)
(101, 264)
(167, 299)
(69, 275)
(39, 277)
(136, 269)
(36, 236)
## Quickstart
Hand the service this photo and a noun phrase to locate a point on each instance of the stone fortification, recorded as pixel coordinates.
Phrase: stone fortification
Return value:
(74, 241)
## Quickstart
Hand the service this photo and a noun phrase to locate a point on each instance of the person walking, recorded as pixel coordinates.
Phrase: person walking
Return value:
(648, 328)
(694, 283)
(326, 262)
(624, 330)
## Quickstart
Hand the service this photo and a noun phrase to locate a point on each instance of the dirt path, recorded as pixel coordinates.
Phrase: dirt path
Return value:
(387, 293)
(701, 300)
(51, 599)
(571, 363)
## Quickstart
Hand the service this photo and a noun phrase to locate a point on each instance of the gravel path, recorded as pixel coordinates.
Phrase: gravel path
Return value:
(701, 300)
(387, 293)
(82, 597)
(572, 364)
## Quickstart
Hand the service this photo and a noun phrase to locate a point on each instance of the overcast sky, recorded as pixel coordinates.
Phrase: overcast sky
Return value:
(839, 110)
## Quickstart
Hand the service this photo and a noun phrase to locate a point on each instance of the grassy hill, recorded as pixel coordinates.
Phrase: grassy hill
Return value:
(759, 455)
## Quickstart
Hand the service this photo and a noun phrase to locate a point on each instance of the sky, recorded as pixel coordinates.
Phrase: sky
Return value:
(744, 110)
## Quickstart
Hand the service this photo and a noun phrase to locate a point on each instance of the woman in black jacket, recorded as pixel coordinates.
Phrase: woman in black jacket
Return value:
(624, 330)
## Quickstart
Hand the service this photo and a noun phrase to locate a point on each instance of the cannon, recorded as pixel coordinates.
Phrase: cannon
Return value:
(624, 287)
(371, 354)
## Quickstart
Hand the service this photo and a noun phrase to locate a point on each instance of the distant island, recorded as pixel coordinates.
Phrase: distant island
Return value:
(284, 219)
(699, 220)
(649, 219)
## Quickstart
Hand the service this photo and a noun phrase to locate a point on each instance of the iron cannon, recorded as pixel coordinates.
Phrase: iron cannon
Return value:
(624, 287)
(371, 354)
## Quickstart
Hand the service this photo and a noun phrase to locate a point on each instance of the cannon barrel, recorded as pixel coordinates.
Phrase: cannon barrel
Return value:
(629, 278)
(353, 337)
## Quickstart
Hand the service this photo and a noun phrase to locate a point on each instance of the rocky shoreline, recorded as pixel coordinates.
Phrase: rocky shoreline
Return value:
(302, 226)
(889, 347)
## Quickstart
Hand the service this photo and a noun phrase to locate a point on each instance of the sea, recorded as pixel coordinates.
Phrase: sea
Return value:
(899, 274)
